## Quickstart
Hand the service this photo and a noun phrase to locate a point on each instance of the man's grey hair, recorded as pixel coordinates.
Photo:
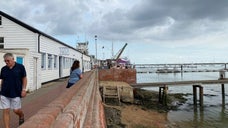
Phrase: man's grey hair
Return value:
(8, 55)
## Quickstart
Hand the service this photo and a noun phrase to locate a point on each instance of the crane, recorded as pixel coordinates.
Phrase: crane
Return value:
(117, 56)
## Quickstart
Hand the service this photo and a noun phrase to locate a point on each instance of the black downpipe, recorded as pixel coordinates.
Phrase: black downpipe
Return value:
(39, 43)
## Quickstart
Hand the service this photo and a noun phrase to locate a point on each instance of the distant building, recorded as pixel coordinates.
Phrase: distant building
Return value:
(83, 47)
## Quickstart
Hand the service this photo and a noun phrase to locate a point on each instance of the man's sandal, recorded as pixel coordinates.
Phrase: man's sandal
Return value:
(21, 121)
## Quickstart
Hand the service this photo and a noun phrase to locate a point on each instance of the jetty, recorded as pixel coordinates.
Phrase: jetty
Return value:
(176, 83)
(196, 84)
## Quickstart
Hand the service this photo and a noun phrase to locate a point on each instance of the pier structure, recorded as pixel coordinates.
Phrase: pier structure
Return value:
(180, 67)
(197, 84)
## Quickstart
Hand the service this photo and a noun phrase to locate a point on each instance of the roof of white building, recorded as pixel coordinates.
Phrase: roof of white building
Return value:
(34, 29)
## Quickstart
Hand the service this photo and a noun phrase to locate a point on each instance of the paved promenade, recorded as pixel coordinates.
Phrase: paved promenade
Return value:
(36, 100)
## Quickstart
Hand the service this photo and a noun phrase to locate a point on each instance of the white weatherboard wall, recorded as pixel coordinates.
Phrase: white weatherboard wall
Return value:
(49, 46)
(29, 43)
(86, 63)
(23, 43)
(16, 36)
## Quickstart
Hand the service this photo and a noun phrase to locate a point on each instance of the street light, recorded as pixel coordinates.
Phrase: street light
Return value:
(96, 46)
(103, 52)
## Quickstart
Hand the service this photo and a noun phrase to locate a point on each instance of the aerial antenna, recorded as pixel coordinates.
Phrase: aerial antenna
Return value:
(85, 36)
(112, 49)
(77, 38)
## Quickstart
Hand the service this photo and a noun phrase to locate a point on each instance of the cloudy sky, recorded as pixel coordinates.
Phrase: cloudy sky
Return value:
(157, 31)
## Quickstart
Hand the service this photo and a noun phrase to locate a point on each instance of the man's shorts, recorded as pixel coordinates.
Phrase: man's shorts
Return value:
(13, 103)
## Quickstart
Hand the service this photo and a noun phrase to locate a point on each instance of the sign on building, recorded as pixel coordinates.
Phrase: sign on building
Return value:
(64, 51)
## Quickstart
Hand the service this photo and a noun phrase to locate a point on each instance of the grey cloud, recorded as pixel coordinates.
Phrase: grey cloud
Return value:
(189, 17)
(59, 17)
(66, 16)
(193, 9)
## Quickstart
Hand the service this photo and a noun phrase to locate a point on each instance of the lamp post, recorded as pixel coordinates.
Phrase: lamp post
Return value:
(96, 47)
(103, 52)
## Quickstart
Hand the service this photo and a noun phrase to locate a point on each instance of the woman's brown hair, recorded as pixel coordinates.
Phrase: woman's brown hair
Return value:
(75, 65)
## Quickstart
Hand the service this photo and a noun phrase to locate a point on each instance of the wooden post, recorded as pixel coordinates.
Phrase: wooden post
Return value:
(223, 94)
(194, 95)
(159, 96)
(200, 94)
(163, 95)
(165, 90)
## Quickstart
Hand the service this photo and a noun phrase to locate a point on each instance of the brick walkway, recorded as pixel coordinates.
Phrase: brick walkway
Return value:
(34, 101)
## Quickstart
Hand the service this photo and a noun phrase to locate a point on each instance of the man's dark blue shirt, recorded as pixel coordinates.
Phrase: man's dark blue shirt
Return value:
(12, 80)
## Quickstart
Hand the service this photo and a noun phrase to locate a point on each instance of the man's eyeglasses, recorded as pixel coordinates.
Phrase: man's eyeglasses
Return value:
(7, 60)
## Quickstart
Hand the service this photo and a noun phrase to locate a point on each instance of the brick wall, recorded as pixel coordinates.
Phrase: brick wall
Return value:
(79, 106)
(125, 75)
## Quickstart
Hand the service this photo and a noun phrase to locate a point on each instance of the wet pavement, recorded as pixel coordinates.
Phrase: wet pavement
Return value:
(36, 100)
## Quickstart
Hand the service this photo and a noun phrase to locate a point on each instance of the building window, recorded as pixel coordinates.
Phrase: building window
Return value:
(43, 61)
(0, 20)
(50, 61)
(67, 62)
(64, 62)
(1, 42)
(55, 61)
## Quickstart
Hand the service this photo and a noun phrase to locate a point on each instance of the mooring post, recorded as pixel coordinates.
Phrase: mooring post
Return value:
(159, 96)
(223, 93)
(165, 90)
(200, 94)
(194, 95)
(163, 95)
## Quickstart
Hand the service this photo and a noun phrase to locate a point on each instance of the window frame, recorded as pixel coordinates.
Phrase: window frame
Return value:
(50, 60)
(43, 61)
(55, 61)
(0, 20)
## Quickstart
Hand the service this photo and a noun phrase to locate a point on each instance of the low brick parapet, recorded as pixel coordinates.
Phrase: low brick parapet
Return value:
(73, 108)
(114, 74)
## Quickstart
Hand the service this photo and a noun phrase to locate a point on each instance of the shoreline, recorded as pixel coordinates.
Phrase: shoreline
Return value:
(145, 112)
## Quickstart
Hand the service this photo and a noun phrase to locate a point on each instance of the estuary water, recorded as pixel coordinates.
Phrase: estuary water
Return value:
(213, 114)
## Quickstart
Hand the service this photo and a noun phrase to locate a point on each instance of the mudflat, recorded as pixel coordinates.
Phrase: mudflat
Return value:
(145, 112)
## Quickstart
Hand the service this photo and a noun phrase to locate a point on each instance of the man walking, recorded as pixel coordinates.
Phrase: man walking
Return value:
(14, 81)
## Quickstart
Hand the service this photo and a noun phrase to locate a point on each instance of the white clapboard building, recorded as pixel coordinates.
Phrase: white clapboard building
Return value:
(44, 57)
